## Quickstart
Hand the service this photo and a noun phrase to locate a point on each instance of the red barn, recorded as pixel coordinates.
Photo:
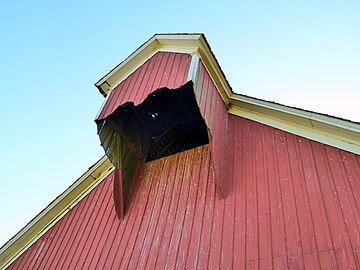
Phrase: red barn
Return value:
(198, 177)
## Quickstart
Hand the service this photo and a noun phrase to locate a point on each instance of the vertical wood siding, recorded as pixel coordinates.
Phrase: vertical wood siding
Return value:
(293, 203)
(164, 69)
(215, 114)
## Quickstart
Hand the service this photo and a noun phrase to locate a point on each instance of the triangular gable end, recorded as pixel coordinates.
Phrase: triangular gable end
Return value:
(207, 77)
(138, 123)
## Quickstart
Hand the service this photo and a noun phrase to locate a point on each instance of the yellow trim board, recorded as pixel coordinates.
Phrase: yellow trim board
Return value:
(55, 211)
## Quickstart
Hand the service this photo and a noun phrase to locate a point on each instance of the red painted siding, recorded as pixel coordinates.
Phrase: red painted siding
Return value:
(164, 69)
(293, 203)
(214, 111)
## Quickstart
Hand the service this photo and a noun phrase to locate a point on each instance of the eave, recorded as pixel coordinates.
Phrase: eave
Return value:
(329, 130)
(194, 44)
(333, 131)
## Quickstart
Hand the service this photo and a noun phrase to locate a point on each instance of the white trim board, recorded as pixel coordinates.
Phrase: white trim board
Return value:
(345, 139)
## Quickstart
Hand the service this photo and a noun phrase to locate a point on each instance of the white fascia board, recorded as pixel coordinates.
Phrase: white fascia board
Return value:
(128, 66)
(170, 43)
(182, 43)
(239, 100)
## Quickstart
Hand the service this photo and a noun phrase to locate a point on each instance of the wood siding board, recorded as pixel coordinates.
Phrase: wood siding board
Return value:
(84, 232)
(48, 243)
(300, 197)
(197, 225)
(296, 245)
(352, 214)
(183, 71)
(135, 91)
(251, 218)
(350, 226)
(26, 258)
(73, 236)
(158, 82)
(61, 235)
(38, 254)
(164, 214)
(116, 97)
(216, 144)
(155, 216)
(99, 229)
(315, 199)
(153, 74)
(262, 195)
(190, 211)
(89, 247)
(329, 197)
(34, 252)
(309, 259)
(148, 216)
(127, 224)
(106, 256)
(216, 233)
(213, 117)
(129, 94)
(291, 203)
(109, 218)
(289, 210)
(353, 173)
(49, 256)
(65, 236)
(227, 245)
(174, 71)
(128, 249)
(326, 229)
(204, 91)
(167, 234)
(240, 195)
(278, 239)
(169, 67)
(268, 253)
(176, 234)
(142, 93)
(151, 77)
(172, 199)
(206, 233)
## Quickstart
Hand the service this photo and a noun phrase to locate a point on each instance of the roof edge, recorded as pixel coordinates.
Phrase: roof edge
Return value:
(183, 43)
(18, 244)
(330, 130)
(334, 131)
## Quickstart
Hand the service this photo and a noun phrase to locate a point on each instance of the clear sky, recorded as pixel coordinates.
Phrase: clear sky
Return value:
(304, 54)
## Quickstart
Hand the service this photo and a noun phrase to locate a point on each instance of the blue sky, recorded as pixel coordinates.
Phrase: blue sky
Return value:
(302, 54)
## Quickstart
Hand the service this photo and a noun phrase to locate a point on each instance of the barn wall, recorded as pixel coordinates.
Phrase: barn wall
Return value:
(215, 113)
(164, 69)
(292, 203)
(297, 201)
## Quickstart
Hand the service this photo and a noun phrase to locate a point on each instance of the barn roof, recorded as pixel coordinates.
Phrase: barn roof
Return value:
(340, 133)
